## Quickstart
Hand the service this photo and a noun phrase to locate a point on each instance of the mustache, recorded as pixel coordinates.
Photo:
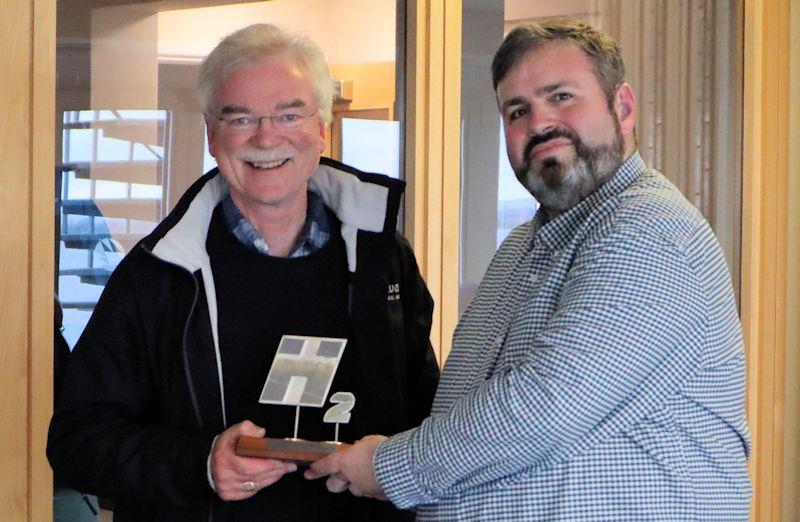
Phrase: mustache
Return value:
(267, 155)
(538, 139)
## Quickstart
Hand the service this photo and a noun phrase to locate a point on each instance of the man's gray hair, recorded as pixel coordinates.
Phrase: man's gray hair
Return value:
(602, 50)
(256, 41)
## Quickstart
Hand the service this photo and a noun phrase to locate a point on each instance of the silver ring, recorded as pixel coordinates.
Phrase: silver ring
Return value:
(249, 485)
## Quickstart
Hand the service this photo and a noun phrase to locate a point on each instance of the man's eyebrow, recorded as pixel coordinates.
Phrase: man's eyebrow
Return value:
(541, 91)
(516, 100)
(550, 87)
(237, 109)
(233, 109)
(293, 104)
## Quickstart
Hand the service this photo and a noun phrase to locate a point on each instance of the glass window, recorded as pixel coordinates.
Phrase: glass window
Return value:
(371, 145)
(131, 137)
(685, 68)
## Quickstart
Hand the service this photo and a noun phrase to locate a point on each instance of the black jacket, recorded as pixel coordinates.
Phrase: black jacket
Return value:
(141, 402)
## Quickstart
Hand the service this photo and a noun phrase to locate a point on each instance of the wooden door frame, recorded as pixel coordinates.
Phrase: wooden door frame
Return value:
(433, 154)
(765, 209)
(27, 131)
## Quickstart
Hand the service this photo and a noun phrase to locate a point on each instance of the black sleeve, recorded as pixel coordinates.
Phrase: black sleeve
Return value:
(106, 436)
(423, 370)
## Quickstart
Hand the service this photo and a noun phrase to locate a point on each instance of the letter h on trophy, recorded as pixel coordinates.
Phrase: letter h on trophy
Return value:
(301, 375)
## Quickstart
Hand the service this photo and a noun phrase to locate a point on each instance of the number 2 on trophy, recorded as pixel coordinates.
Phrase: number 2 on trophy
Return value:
(340, 411)
(343, 402)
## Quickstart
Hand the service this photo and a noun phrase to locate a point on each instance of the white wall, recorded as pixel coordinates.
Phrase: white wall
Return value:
(124, 70)
(348, 31)
(587, 10)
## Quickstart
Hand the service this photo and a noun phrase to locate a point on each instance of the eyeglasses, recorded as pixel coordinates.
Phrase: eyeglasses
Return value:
(250, 122)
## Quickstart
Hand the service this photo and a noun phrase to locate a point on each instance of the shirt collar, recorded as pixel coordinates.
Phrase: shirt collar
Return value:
(557, 232)
(313, 236)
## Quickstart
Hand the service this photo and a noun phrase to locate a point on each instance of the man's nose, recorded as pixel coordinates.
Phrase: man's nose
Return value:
(265, 134)
(542, 120)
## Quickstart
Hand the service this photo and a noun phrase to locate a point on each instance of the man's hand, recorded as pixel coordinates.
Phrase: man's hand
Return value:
(239, 478)
(350, 469)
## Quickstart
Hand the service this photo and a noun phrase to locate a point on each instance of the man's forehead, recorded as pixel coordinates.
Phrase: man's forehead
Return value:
(545, 68)
(267, 83)
(555, 50)
(275, 61)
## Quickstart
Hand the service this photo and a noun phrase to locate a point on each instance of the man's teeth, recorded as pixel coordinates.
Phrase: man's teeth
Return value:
(268, 164)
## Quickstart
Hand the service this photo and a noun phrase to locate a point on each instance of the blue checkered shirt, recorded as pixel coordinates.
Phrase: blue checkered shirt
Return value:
(598, 374)
(312, 237)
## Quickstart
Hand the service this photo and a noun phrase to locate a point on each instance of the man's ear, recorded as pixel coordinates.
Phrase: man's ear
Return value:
(625, 108)
(321, 136)
(211, 137)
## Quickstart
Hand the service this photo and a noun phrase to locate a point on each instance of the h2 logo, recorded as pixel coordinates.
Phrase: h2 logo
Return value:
(339, 413)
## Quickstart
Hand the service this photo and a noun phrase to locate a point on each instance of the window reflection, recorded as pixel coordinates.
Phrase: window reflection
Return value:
(132, 138)
(684, 63)
(371, 145)
(97, 200)
(515, 205)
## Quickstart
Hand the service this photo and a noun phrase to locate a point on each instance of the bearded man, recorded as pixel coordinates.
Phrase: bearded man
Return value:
(598, 374)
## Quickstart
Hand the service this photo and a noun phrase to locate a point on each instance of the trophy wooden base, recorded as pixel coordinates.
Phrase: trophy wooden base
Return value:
(295, 450)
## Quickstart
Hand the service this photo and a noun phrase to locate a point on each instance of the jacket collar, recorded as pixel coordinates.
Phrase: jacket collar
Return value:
(361, 201)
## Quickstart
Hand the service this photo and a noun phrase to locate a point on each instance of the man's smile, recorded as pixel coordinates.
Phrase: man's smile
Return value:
(549, 146)
(266, 165)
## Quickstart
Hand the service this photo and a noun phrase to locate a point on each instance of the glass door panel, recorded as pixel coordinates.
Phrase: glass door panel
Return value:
(131, 138)
(683, 60)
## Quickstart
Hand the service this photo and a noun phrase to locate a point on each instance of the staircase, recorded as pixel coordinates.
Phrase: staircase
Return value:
(111, 190)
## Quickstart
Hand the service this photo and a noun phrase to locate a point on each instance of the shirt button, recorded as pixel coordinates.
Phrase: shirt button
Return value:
(533, 278)
(498, 341)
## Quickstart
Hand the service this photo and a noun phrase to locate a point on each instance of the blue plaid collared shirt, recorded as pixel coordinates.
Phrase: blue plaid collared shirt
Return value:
(312, 238)
(598, 374)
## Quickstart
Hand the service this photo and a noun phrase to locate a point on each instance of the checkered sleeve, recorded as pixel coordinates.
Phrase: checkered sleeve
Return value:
(627, 333)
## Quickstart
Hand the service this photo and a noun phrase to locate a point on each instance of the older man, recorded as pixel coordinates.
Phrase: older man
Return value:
(599, 372)
(168, 374)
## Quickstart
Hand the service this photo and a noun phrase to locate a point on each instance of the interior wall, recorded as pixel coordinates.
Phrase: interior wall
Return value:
(123, 40)
(194, 32)
(521, 9)
(361, 31)
(373, 84)
(177, 83)
(340, 27)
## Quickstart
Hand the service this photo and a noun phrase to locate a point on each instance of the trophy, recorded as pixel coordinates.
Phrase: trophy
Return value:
(301, 375)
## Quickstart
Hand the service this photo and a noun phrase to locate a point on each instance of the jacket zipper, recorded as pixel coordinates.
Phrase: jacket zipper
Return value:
(185, 356)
